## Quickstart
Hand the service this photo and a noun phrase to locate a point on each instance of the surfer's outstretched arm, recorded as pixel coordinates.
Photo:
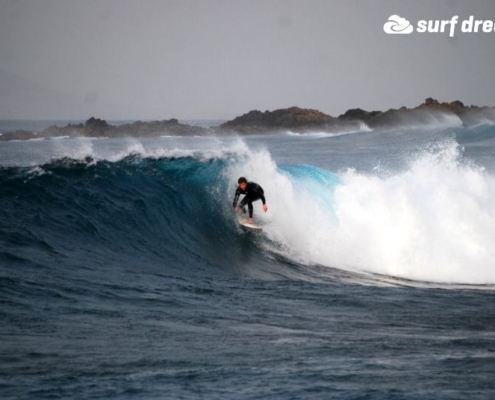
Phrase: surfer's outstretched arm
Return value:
(236, 197)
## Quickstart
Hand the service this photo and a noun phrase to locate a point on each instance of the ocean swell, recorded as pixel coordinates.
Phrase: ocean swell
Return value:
(170, 210)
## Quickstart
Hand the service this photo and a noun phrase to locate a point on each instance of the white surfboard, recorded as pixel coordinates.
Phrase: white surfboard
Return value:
(254, 227)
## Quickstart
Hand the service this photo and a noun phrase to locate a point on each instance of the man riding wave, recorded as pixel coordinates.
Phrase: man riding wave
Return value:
(252, 192)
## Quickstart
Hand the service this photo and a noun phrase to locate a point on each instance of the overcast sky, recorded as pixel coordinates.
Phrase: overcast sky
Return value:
(216, 59)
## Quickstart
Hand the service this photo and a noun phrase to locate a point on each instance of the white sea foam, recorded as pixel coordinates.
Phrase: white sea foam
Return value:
(27, 153)
(208, 149)
(433, 222)
(77, 149)
(319, 135)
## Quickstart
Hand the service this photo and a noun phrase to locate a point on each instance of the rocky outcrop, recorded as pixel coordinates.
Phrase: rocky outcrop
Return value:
(295, 119)
(170, 127)
(18, 135)
(303, 120)
(428, 113)
(95, 127)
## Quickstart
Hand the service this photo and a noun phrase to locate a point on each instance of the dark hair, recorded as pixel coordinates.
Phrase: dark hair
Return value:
(242, 180)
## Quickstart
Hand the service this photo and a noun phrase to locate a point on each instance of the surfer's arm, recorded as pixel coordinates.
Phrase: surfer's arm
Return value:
(259, 190)
(237, 194)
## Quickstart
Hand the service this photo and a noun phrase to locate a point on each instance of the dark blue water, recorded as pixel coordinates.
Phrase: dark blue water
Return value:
(123, 273)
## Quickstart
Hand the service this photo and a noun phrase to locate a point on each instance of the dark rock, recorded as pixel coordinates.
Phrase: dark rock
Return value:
(427, 113)
(288, 118)
(303, 120)
(71, 130)
(170, 127)
(359, 114)
(18, 135)
(95, 127)
(457, 105)
(294, 118)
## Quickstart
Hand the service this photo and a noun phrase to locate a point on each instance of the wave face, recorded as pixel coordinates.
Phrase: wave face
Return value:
(163, 213)
(433, 221)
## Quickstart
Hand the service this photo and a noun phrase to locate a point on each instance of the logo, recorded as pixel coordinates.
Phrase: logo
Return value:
(397, 25)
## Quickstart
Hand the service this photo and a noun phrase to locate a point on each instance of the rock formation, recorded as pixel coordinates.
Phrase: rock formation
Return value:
(288, 119)
(95, 127)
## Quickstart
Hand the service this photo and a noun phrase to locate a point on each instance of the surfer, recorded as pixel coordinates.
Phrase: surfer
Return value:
(252, 192)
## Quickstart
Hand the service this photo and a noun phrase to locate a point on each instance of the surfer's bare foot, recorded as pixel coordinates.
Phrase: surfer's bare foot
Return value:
(250, 221)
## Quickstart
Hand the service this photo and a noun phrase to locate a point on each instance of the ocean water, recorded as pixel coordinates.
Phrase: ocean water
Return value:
(124, 274)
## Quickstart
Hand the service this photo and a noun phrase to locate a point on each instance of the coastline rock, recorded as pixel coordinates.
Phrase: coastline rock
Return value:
(428, 113)
(170, 127)
(358, 114)
(431, 112)
(18, 135)
(72, 130)
(296, 118)
(95, 127)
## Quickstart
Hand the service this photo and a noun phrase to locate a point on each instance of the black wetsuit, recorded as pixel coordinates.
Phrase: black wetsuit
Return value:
(253, 192)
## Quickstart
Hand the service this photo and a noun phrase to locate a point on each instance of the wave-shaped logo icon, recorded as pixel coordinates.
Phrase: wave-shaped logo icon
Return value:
(397, 25)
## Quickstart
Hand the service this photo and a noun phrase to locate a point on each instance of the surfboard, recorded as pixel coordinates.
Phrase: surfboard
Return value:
(253, 227)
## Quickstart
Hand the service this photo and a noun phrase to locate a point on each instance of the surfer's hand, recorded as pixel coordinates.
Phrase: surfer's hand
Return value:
(236, 208)
(265, 208)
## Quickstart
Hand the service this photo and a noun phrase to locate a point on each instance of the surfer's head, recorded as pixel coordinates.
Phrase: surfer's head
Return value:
(242, 182)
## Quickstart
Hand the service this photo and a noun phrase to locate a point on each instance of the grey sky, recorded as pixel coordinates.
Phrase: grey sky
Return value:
(213, 59)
